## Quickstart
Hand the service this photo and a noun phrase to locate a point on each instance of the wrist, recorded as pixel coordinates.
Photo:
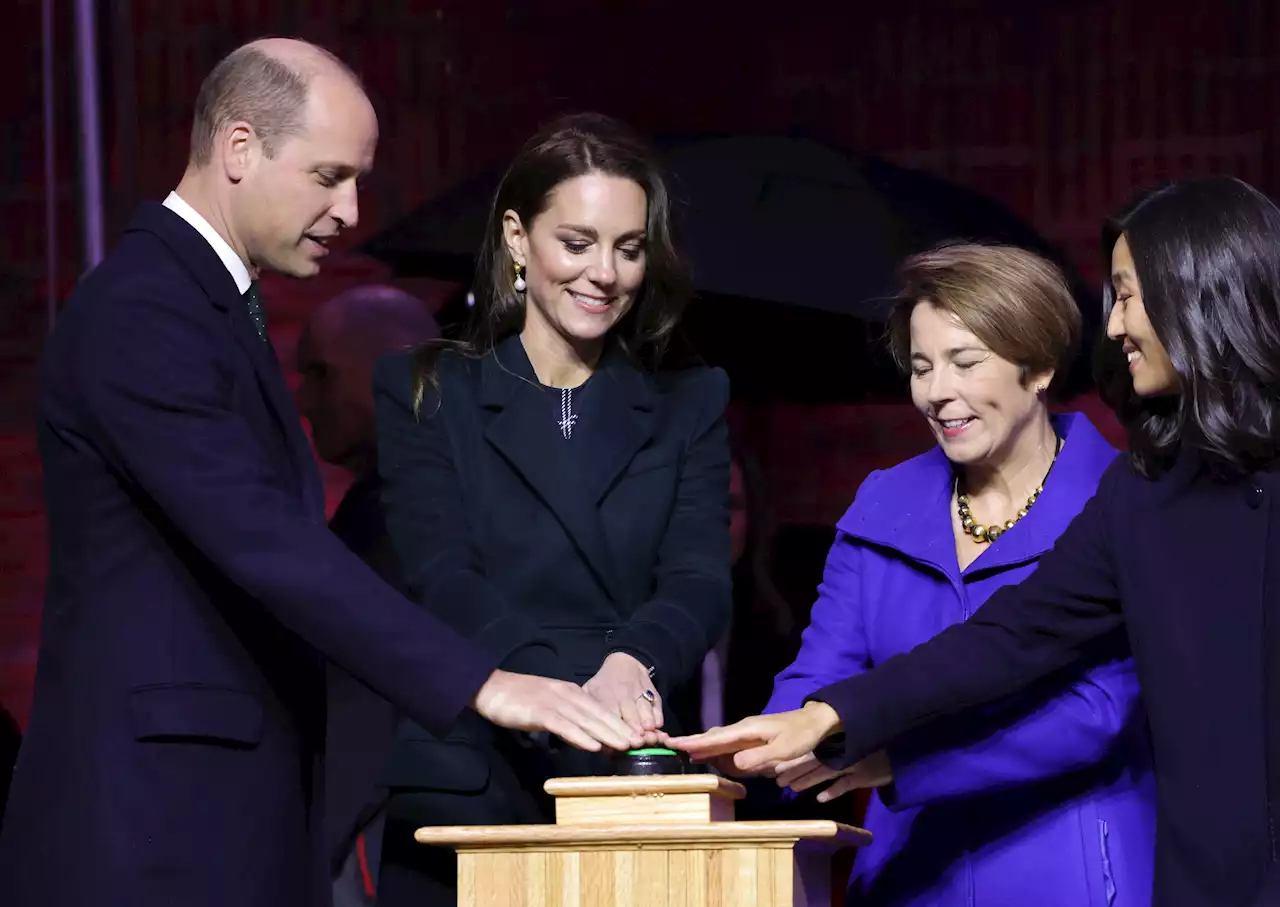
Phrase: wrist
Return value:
(634, 656)
(479, 700)
(823, 718)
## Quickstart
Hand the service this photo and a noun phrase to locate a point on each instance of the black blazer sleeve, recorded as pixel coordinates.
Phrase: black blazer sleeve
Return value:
(1020, 635)
(693, 591)
(427, 522)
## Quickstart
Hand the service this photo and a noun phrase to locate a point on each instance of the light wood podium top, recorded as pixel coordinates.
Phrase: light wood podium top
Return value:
(656, 835)
(656, 811)
(641, 785)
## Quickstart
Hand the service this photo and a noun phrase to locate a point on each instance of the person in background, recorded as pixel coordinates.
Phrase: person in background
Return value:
(336, 352)
(1178, 548)
(557, 491)
(762, 619)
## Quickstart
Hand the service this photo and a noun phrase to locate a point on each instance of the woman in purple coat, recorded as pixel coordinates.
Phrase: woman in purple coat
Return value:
(1044, 799)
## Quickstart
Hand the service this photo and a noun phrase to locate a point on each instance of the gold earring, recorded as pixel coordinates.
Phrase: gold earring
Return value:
(520, 284)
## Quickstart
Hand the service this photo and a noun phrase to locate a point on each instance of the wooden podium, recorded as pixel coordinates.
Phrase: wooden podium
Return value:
(645, 841)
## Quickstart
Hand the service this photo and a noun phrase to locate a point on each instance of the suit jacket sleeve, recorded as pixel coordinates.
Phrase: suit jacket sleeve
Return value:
(693, 593)
(1023, 633)
(427, 523)
(155, 385)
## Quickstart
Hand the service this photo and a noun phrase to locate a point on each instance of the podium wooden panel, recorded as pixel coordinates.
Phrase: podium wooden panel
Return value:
(647, 841)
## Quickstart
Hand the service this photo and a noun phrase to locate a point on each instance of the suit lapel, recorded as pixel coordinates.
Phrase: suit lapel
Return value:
(266, 368)
(523, 431)
(622, 423)
(197, 255)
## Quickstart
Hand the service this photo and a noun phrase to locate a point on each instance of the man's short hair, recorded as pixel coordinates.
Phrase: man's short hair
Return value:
(250, 85)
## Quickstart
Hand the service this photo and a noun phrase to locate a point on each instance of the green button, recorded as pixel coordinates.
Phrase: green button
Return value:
(651, 751)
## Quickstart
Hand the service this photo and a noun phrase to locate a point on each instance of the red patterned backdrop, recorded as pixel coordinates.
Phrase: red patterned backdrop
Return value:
(1055, 108)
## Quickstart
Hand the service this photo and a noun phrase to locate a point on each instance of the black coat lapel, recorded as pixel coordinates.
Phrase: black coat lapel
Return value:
(275, 390)
(525, 434)
(199, 257)
(622, 422)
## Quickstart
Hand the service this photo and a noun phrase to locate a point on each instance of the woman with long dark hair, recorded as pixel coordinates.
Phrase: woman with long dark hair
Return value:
(552, 490)
(1180, 546)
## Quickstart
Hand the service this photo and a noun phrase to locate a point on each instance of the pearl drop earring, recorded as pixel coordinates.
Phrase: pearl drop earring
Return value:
(520, 284)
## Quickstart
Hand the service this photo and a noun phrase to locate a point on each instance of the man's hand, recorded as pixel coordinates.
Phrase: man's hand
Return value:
(806, 772)
(760, 743)
(523, 702)
(622, 685)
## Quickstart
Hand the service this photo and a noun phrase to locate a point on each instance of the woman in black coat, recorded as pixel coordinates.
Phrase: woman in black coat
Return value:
(551, 492)
(1180, 546)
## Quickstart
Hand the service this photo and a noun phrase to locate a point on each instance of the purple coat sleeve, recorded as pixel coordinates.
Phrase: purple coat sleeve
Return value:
(1073, 729)
(1022, 634)
(833, 646)
(1032, 739)
(156, 391)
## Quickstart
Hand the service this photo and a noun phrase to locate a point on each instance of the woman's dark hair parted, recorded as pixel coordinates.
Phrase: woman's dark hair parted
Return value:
(569, 147)
(1207, 256)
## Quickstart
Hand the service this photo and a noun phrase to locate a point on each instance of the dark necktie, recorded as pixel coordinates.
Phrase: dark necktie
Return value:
(253, 299)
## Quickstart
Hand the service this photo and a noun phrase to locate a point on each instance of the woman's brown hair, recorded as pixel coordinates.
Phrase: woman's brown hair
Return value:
(1016, 302)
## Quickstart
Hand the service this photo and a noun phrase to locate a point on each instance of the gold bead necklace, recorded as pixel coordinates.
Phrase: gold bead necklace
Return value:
(987, 534)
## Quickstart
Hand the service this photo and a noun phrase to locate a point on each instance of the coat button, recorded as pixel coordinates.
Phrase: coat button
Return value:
(1254, 496)
(608, 636)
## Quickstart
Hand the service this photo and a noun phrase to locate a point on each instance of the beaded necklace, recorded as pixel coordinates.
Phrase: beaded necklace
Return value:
(987, 534)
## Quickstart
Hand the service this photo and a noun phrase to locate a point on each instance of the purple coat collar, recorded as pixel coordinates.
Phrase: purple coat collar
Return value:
(908, 508)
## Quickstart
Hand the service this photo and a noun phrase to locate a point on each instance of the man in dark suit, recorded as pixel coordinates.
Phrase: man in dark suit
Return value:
(336, 351)
(174, 753)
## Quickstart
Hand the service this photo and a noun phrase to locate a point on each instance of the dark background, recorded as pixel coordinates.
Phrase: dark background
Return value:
(1055, 109)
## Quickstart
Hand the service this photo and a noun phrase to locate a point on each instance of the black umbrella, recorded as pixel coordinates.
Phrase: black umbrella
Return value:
(794, 247)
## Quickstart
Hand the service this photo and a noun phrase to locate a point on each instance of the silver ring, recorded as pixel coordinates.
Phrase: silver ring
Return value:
(648, 696)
